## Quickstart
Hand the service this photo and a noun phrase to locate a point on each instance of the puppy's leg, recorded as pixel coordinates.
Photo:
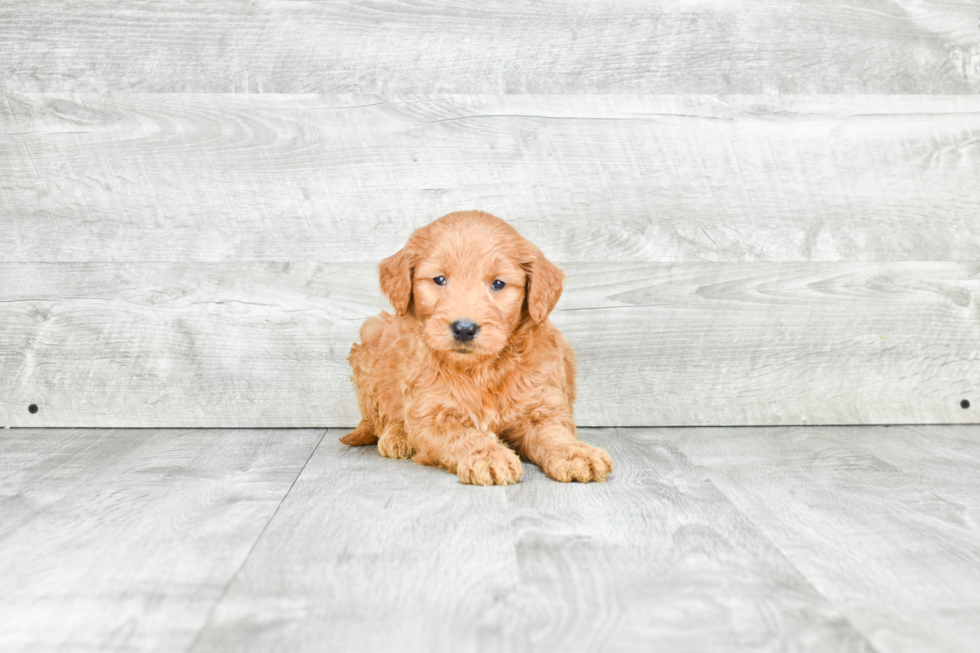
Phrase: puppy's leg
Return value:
(394, 443)
(561, 455)
(361, 359)
(362, 435)
(477, 457)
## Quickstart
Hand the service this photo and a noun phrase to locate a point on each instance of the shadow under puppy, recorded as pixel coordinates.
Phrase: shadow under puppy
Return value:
(470, 369)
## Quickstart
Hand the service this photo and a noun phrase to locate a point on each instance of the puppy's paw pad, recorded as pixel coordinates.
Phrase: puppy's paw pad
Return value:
(490, 466)
(394, 446)
(579, 462)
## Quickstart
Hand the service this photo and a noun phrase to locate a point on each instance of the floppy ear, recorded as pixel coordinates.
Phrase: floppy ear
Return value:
(395, 274)
(544, 283)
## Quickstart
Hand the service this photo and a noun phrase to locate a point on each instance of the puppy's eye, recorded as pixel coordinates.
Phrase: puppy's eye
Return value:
(498, 285)
(440, 281)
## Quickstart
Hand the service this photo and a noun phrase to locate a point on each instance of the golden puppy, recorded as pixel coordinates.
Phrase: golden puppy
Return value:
(471, 363)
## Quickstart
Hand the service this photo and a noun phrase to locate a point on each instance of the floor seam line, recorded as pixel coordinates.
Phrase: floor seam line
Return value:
(518, 576)
(248, 555)
(705, 474)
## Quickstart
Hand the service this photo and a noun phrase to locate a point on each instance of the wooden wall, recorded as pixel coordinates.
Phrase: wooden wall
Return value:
(768, 213)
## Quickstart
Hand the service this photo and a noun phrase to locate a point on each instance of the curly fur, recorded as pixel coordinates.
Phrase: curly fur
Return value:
(469, 406)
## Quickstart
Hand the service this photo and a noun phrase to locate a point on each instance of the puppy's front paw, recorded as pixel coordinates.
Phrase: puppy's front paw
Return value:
(494, 465)
(577, 461)
(394, 444)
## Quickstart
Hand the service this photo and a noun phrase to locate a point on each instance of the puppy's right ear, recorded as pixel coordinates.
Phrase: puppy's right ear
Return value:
(395, 273)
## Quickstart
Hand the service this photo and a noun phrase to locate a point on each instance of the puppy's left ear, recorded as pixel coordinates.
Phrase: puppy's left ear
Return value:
(544, 284)
(395, 274)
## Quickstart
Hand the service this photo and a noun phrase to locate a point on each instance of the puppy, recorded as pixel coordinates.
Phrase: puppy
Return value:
(470, 369)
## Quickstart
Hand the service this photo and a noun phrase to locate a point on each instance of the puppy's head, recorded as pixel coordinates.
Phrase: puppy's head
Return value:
(470, 279)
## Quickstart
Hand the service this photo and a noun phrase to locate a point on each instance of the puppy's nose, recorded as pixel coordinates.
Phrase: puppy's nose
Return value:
(464, 330)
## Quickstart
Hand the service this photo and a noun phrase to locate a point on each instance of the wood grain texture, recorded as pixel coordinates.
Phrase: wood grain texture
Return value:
(499, 46)
(758, 539)
(761, 343)
(893, 540)
(265, 344)
(656, 559)
(372, 554)
(123, 540)
(183, 344)
(587, 178)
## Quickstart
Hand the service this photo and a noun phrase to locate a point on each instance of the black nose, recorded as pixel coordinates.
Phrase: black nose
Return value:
(464, 330)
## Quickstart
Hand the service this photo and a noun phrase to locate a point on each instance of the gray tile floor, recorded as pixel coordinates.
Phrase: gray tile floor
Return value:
(756, 539)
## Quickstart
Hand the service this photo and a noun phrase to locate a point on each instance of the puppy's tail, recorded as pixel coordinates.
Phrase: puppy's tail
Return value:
(362, 435)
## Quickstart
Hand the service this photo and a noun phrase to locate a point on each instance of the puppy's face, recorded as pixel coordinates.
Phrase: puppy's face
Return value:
(468, 292)
(470, 280)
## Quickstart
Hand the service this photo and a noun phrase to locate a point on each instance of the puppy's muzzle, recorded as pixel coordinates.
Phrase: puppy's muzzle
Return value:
(464, 330)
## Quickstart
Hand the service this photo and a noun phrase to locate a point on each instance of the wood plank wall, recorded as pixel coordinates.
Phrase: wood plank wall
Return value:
(769, 214)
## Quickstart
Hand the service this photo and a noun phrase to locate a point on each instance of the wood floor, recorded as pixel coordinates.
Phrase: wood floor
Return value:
(708, 539)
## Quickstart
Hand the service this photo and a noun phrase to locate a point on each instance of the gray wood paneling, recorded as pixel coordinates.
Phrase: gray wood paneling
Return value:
(892, 539)
(124, 540)
(497, 46)
(763, 343)
(261, 344)
(370, 554)
(588, 178)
